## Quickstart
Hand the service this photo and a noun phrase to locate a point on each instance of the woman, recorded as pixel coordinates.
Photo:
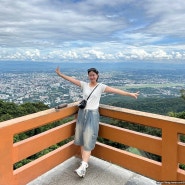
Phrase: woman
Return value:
(88, 119)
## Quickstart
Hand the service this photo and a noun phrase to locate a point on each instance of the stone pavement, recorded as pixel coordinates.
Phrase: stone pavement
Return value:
(99, 172)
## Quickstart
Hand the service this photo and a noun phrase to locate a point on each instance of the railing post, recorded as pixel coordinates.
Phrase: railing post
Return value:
(6, 157)
(169, 153)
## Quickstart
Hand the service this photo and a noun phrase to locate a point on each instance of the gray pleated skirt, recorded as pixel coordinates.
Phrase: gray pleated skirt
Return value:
(87, 128)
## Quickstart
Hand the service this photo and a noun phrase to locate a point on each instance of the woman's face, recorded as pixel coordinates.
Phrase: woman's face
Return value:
(92, 76)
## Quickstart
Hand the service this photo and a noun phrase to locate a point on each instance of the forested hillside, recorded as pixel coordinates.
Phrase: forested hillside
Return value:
(10, 110)
(153, 105)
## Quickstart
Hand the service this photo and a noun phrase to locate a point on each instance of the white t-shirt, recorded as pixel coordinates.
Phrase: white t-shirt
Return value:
(93, 101)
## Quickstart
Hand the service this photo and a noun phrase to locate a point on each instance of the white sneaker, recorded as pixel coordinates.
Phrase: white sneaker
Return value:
(81, 170)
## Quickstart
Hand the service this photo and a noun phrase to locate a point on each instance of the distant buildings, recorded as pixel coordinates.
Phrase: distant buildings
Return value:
(52, 90)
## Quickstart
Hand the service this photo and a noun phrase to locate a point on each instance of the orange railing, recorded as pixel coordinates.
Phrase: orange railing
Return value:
(169, 147)
(11, 153)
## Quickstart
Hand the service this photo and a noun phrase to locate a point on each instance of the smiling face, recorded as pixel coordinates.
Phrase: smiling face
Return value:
(93, 77)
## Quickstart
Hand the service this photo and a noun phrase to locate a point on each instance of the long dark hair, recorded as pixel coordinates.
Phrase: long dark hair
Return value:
(93, 70)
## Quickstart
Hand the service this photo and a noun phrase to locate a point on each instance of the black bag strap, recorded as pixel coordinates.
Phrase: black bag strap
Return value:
(92, 92)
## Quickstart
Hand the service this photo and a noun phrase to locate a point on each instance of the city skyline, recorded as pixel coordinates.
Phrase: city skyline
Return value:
(47, 87)
(98, 30)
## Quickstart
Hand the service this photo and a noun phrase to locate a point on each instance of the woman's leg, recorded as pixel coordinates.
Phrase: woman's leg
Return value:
(84, 164)
(85, 155)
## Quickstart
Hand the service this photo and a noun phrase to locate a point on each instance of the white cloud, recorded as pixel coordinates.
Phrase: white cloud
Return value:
(95, 53)
(95, 30)
(178, 55)
(167, 16)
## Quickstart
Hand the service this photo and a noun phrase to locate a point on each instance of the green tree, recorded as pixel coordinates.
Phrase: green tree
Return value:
(9, 110)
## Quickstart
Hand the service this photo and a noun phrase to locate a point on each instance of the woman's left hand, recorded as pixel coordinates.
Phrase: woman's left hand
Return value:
(135, 95)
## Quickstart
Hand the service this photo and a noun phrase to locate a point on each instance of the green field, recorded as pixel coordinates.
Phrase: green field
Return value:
(138, 86)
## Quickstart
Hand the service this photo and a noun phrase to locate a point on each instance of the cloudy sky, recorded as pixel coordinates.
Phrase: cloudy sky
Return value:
(92, 30)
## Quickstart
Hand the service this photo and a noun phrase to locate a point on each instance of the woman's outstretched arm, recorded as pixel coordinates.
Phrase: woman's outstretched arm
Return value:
(121, 92)
(70, 79)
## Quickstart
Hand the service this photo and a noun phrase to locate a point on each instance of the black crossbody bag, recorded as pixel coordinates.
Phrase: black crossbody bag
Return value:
(83, 103)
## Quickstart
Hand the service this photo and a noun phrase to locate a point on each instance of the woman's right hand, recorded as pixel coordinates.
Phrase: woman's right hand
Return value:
(71, 79)
(57, 70)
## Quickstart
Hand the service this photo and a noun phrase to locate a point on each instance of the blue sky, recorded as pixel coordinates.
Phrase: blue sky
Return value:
(92, 30)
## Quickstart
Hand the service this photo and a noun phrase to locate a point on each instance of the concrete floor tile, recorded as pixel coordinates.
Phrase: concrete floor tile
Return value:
(99, 173)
